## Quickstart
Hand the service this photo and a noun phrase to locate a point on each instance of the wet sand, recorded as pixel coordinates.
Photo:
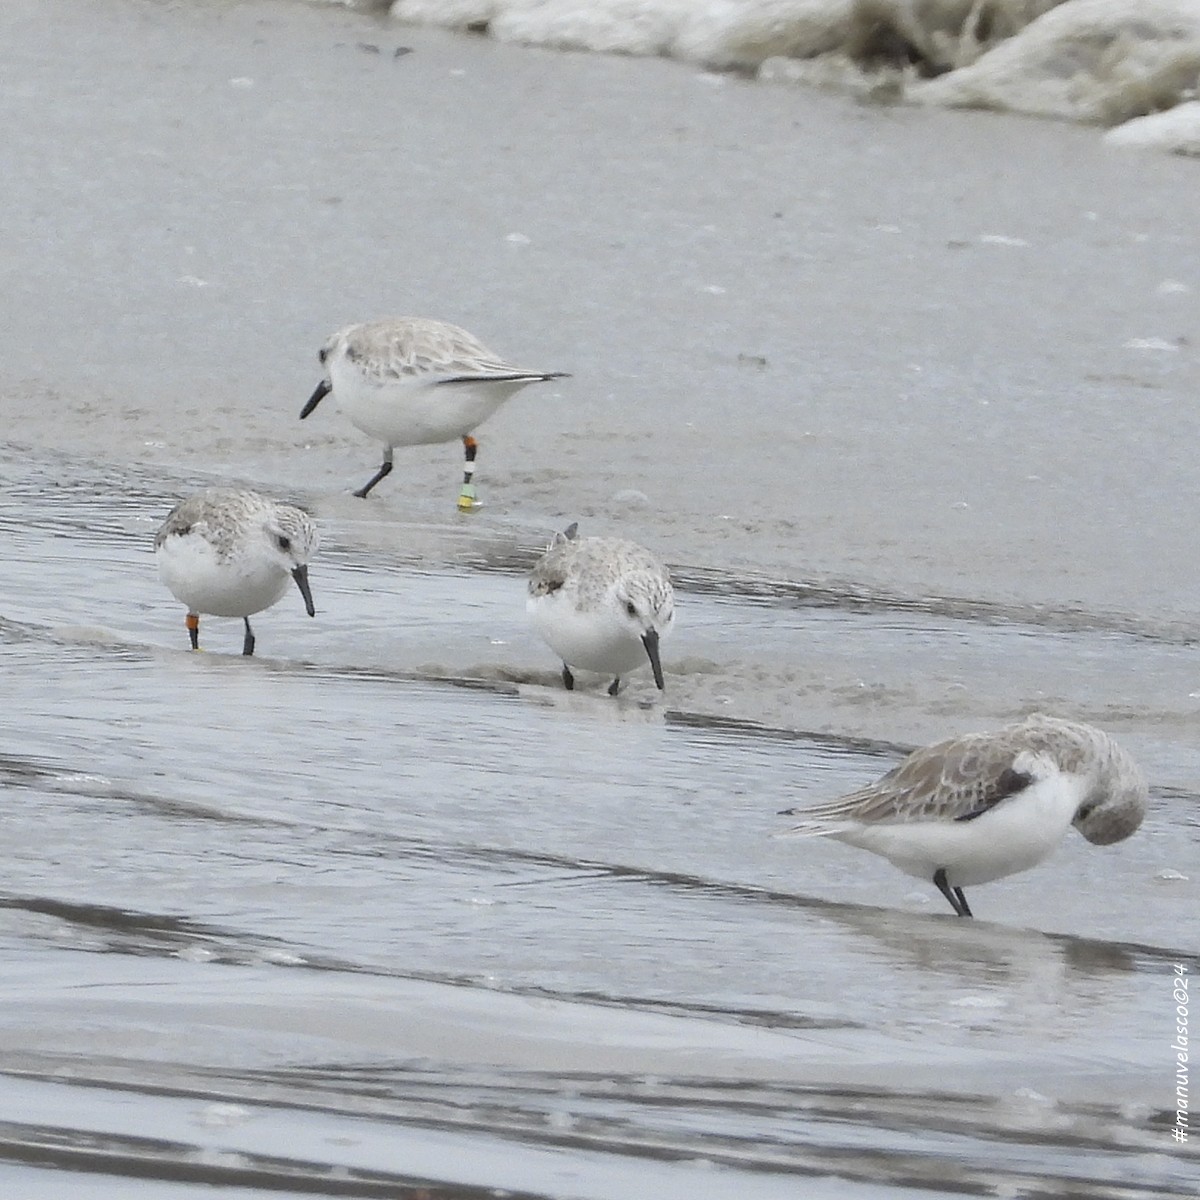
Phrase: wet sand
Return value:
(385, 905)
(881, 353)
(385, 909)
(939, 411)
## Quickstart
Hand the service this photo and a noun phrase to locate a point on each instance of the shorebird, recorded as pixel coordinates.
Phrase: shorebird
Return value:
(410, 381)
(986, 805)
(601, 604)
(230, 553)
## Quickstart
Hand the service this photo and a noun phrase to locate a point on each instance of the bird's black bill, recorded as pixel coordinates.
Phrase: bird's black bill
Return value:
(650, 641)
(300, 575)
(323, 390)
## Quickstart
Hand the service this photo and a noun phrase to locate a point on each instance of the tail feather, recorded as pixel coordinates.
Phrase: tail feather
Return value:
(506, 377)
(817, 828)
(843, 811)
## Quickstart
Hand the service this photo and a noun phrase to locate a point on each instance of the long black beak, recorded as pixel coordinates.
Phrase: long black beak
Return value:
(323, 390)
(300, 575)
(650, 641)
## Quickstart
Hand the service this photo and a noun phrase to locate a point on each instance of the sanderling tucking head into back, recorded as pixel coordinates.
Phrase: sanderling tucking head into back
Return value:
(601, 604)
(229, 553)
(409, 381)
(976, 808)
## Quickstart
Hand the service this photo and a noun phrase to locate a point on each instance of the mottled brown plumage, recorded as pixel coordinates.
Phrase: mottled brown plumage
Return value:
(961, 777)
(979, 807)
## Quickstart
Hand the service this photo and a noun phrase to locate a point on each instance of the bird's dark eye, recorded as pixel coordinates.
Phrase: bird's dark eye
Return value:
(631, 608)
(284, 543)
(322, 355)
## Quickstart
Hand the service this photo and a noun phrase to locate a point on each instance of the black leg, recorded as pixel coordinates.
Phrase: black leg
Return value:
(248, 643)
(958, 901)
(384, 471)
(568, 678)
(193, 627)
(614, 687)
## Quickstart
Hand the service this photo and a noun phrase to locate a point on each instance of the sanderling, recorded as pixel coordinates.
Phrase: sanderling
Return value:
(409, 381)
(985, 805)
(229, 553)
(601, 604)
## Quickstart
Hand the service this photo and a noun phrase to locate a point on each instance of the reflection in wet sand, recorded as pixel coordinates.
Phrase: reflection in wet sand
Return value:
(432, 904)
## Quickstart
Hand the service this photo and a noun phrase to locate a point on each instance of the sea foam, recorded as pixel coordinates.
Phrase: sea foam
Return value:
(1177, 130)
(1087, 60)
(1100, 61)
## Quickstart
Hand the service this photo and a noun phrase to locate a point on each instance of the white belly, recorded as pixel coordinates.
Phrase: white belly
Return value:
(237, 587)
(1014, 836)
(585, 640)
(405, 412)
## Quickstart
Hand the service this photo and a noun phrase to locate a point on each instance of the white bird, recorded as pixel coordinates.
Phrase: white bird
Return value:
(979, 807)
(409, 381)
(601, 604)
(230, 553)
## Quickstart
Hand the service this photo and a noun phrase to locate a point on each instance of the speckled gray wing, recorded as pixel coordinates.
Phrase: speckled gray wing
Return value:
(413, 347)
(551, 570)
(181, 519)
(955, 780)
(216, 513)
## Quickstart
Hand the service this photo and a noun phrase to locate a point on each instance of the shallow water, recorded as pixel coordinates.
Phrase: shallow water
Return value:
(335, 919)
(384, 909)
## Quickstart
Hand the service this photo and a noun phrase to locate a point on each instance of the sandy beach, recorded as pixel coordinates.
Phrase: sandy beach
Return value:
(943, 353)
